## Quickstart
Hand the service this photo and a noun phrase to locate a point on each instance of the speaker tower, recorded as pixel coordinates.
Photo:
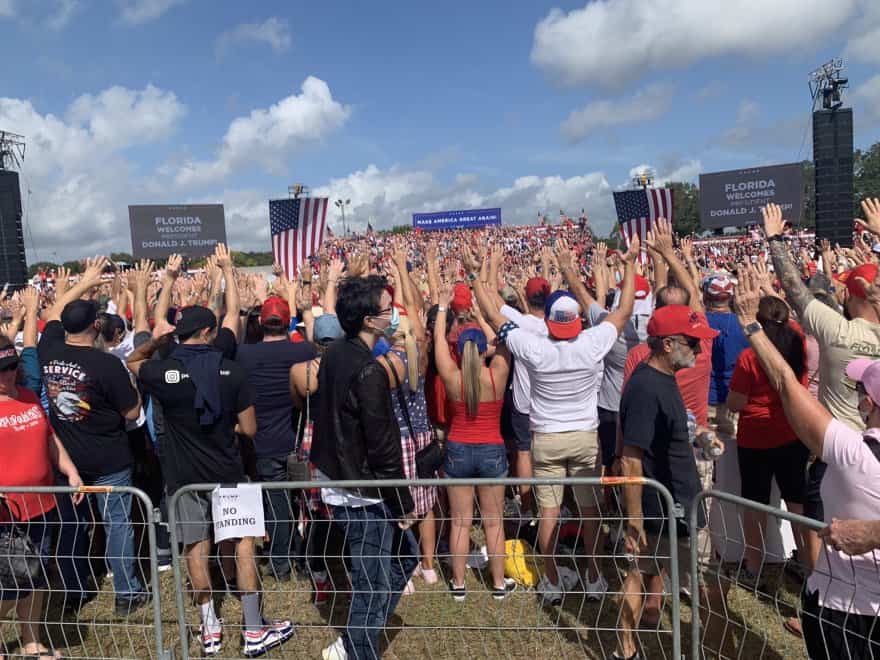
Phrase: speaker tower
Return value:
(833, 159)
(13, 266)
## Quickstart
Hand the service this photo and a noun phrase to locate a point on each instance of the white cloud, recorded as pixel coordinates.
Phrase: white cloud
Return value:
(616, 41)
(7, 9)
(137, 12)
(118, 117)
(269, 136)
(81, 184)
(273, 31)
(751, 129)
(864, 45)
(645, 105)
(866, 98)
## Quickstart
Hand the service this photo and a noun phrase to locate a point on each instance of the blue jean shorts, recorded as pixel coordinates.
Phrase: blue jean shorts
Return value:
(468, 461)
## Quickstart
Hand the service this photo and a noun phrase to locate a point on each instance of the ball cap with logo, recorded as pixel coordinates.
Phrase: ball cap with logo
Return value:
(718, 286)
(275, 311)
(190, 320)
(679, 320)
(851, 278)
(867, 372)
(642, 287)
(562, 314)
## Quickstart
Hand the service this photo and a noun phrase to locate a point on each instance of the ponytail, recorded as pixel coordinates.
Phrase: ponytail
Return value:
(471, 366)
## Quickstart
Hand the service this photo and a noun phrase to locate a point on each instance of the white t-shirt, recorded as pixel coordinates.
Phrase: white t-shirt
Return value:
(564, 376)
(850, 490)
(521, 386)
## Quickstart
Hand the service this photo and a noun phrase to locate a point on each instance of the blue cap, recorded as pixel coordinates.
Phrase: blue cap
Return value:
(474, 335)
(327, 328)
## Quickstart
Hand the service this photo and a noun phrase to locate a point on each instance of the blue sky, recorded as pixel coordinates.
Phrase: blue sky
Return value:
(401, 106)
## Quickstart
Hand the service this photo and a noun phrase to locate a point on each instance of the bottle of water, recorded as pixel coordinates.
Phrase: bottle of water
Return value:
(692, 428)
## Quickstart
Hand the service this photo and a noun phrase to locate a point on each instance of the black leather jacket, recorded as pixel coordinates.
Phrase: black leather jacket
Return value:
(356, 435)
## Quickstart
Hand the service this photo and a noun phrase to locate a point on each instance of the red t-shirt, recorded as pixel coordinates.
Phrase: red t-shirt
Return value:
(762, 423)
(693, 383)
(25, 435)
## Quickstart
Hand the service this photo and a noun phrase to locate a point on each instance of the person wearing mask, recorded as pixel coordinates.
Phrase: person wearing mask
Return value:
(767, 447)
(204, 397)
(30, 453)
(841, 601)
(656, 445)
(357, 438)
(564, 370)
(475, 448)
(90, 398)
(268, 364)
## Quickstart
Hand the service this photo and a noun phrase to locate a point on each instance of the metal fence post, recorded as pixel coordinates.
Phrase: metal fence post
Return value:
(182, 626)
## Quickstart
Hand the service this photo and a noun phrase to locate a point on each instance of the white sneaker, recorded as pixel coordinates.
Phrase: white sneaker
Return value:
(336, 651)
(550, 593)
(478, 559)
(595, 590)
(569, 579)
(429, 575)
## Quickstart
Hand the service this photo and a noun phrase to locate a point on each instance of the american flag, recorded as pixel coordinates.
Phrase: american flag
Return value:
(297, 227)
(637, 210)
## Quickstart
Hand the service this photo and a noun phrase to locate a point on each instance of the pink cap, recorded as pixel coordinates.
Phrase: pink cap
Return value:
(867, 372)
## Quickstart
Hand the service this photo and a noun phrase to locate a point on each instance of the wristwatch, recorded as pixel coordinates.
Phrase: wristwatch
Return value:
(752, 328)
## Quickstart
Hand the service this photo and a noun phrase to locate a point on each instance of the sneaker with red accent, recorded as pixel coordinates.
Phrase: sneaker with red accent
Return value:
(323, 590)
(272, 634)
(211, 640)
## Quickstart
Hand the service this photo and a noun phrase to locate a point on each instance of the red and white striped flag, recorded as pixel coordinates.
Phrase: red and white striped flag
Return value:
(297, 227)
(637, 210)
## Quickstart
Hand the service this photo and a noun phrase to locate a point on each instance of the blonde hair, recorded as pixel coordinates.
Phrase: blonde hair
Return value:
(471, 365)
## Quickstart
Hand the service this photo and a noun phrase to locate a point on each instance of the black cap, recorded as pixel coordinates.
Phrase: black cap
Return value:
(79, 315)
(190, 320)
(8, 357)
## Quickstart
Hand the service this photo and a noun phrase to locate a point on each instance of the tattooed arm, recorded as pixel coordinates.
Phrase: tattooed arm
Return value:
(796, 292)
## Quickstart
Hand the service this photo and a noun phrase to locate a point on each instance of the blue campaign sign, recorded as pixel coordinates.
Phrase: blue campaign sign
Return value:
(457, 219)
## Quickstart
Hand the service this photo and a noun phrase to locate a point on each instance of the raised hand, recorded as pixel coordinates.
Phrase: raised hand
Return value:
(632, 253)
(871, 209)
(687, 249)
(30, 300)
(564, 256)
(94, 270)
(143, 274)
(746, 297)
(659, 239)
(774, 225)
(162, 329)
(172, 266)
(222, 257)
(62, 281)
(471, 263)
(334, 272)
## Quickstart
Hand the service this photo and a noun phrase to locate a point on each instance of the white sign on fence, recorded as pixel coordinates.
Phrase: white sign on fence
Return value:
(237, 512)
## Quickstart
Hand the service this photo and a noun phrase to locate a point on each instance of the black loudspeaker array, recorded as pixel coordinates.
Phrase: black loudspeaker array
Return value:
(833, 158)
(13, 267)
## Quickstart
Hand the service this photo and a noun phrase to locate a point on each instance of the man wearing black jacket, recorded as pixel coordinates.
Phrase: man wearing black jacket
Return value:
(357, 438)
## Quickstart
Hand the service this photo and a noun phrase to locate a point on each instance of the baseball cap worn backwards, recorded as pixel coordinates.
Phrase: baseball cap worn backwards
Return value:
(562, 314)
(192, 319)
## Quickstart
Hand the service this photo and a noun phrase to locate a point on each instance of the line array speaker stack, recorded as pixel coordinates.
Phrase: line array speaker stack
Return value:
(13, 267)
(833, 158)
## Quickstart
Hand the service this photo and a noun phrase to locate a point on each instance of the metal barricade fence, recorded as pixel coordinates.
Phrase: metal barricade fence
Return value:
(87, 584)
(762, 616)
(305, 588)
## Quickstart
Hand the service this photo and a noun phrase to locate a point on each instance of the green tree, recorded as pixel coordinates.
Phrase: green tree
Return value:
(33, 269)
(75, 267)
(866, 175)
(686, 206)
(121, 256)
(400, 229)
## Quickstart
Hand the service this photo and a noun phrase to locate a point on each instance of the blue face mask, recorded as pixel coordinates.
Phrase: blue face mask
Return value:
(395, 323)
(381, 347)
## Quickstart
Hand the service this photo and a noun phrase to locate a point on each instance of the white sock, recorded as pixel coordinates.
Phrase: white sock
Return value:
(209, 617)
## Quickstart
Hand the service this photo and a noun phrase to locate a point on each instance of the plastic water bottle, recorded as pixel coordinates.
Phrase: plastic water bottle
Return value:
(692, 427)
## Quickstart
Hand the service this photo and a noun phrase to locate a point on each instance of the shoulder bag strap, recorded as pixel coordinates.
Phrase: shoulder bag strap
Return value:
(400, 399)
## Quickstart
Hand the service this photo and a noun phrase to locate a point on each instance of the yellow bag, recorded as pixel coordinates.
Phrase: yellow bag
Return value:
(520, 563)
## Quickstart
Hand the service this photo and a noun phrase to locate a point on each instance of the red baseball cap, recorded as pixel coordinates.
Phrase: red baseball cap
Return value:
(679, 320)
(275, 308)
(461, 298)
(537, 286)
(643, 287)
(867, 272)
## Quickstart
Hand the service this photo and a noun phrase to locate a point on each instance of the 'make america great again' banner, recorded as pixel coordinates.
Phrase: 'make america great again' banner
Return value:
(457, 219)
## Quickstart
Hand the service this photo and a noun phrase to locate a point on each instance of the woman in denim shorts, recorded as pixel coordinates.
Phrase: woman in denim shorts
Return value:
(475, 448)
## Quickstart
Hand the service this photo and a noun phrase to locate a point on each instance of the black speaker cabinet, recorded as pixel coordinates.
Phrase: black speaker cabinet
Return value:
(833, 157)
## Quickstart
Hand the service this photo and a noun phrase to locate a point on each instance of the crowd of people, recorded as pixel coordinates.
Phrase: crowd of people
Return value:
(507, 351)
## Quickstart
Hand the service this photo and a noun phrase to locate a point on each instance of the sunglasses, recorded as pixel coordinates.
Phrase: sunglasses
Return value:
(690, 342)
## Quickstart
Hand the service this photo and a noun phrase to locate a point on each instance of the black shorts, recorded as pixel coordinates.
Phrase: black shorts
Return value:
(813, 497)
(608, 436)
(522, 435)
(788, 464)
(833, 635)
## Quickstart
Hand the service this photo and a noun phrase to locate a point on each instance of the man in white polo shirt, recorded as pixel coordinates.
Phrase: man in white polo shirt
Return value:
(537, 292)
(565, 370)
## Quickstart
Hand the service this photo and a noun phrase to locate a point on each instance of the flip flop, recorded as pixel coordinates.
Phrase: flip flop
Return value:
(793, 625)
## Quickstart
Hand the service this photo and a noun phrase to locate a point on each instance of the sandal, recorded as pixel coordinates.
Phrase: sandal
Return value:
(793, 625)
(41, 653)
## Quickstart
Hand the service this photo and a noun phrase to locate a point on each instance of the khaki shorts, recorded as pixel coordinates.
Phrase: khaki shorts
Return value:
(656, 556)
(567, 454)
